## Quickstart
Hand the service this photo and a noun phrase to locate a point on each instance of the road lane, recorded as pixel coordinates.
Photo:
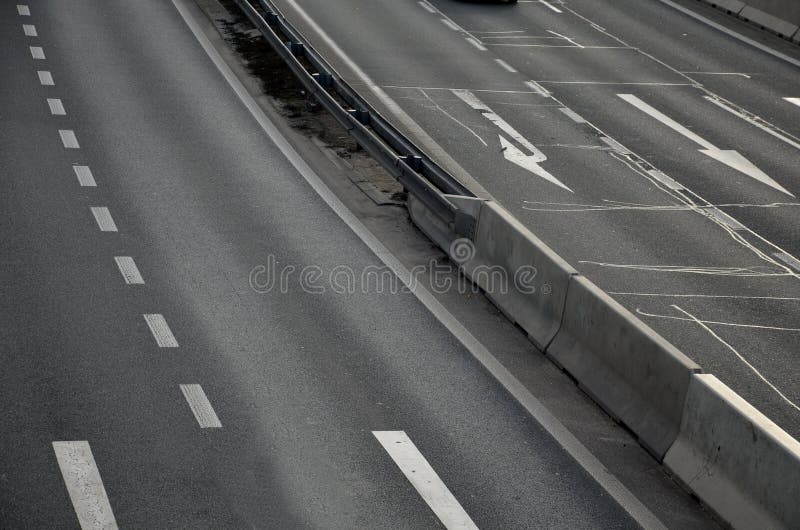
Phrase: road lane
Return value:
(646, 215)
(298, 379)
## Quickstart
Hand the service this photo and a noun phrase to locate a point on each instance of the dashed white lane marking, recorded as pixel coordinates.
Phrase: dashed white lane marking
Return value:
(104, 219)
(84, 485)
(666, 180)
(85, 177)
(554, 8)
(789, 260)
(37, 52)
(129, 270)
(56, 107)
(201, 407)
(30, 30)
(536, 87)
(427, 7)
(424, 479)
(794, 101)
(475, 43)
(45, 78)
(615, 145)
(450, 24)
(23, 10)
(68, 139)
(160, 330)
(571, 114)
(506, 66)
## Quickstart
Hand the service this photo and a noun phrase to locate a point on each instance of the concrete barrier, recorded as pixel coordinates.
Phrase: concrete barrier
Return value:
(768, 21)
(735, 460)
(630, 370)
(536, 278)
(779, 16)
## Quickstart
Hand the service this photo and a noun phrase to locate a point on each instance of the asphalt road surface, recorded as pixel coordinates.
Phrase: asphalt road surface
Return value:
(150, 381)
(656, 154)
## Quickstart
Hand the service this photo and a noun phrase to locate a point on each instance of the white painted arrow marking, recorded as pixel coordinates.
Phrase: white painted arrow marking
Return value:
(513, 154)
(795, 101)
(729, 157)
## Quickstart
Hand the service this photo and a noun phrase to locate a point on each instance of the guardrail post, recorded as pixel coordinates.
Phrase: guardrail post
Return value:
(324, 80)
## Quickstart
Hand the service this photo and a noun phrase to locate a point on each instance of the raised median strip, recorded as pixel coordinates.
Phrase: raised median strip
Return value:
(722, 449)
(778, 16)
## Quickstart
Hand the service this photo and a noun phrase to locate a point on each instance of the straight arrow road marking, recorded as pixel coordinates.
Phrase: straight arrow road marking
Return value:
(424, 479)
(730, 158)
(512, 153)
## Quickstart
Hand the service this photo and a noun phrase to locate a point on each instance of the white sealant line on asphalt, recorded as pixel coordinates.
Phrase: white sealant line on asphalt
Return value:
(84, 485)
(68, 139)
(85, 177)
(424, 479)
(752, 121)
(45, 78)
(201, 407)
(29, 30)
(541, 414)
(37, 52)
(129, 270)
(23, 10)
(794, 101)
(104, 219)
(730, 32)
(507, 67)
(56, 107)
(160, 330)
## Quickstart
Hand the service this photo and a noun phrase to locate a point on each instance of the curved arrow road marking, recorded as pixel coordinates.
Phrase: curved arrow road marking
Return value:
(512, 153)
(729, 157)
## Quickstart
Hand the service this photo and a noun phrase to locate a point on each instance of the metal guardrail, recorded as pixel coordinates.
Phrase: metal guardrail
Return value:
(418, 174)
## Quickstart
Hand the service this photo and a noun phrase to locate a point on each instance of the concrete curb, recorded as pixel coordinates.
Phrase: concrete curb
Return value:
(768, 21)
(739, 463)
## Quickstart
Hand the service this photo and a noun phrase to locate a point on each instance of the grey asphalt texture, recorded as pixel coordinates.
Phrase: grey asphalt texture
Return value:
(658, 251)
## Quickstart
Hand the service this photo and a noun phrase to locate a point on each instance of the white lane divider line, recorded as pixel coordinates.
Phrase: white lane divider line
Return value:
(85, 177)
(476, 43)
(30, 30)
(129, 270)
(424, 479)
(160, 330)
(615, 145)
(84, 485)
(794, 101)
(68, 139)
(104, 219)
(554, 8)
(45, 78)
(754, 120)
(789, 260)
(37, 52)
(507, 67)
(23, 10)
(56, 107)
(427, 7)
(732, 159)
(571, 114)
(539, 89)
(450, 24)
(201, 407)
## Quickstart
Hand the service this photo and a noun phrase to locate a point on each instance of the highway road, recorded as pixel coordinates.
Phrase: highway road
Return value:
(656, 154)
(150, 381)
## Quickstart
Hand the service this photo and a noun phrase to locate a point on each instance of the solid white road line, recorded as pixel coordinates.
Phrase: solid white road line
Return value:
(56, 107)
(129, 270)
(45, 78)
(104, 219)
(475, 43)
(23, 10)
(30, 30)
(37, 52)
(84, 485)
(201, 407)
(85, 177)
(755, 122)
(68, 139)
(540, 414)
(424, 479)
(795, 101)
(554, 8)
(729, 157)
(506, 66)
(160, 330)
